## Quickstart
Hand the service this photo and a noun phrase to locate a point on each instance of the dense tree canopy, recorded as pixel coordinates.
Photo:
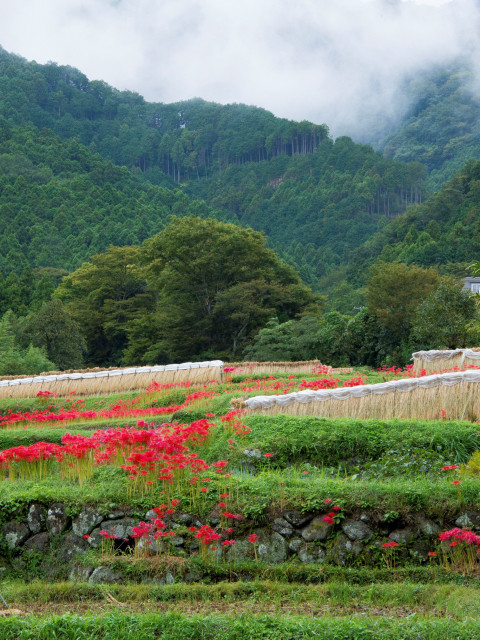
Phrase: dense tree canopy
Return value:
(200, 288)
(103, 296)
(54, 330)
(444, 318)
(17, 360)
(394, 291)
(84, 166)
(217, 285)
(287, 178)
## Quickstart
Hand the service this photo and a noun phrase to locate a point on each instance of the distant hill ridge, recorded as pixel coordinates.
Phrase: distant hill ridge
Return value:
(84, 165)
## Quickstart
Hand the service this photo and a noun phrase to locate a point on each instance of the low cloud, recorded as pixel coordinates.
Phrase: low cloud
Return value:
(335, 61)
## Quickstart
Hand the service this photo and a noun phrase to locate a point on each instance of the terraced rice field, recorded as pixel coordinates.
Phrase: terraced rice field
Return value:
(170, 514)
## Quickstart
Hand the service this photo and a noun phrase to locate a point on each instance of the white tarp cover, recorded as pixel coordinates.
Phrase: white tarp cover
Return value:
(409, 384)
(445, 354)
(117, 372)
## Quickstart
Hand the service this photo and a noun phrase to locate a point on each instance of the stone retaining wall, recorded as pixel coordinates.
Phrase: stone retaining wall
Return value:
(49, 532)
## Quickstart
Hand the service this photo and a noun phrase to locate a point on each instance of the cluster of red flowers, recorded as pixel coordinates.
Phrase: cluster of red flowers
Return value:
(334, 515)
(456, 536)
(325, 383)
(268, 385)
(355, 382)
(232, 421)
(322, 369)
(148, 456)
(332, 383)
(121, 410)
(205, 534)
(393, 371)
(407, 372)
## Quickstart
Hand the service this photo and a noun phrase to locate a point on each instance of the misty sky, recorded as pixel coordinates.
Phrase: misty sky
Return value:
(333, 61)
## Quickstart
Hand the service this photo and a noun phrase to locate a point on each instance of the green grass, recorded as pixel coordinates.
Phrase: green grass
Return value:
(428, 597)
(257, 496)
(177, 626)
(390, 470)
(329, 442)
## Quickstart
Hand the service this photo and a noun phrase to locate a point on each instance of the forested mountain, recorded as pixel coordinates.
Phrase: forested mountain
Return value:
(323, 203)
(60, 203)
(441, 129)
(84, 166)
(317, 207)
(444, 231)
(287, 178)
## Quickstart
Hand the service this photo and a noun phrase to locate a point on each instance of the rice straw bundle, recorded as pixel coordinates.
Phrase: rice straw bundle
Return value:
(100, 382)
(301, 366)
(454, 396)
(444, 359)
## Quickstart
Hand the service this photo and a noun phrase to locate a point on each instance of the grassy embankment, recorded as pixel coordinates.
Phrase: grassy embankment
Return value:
(391, 470)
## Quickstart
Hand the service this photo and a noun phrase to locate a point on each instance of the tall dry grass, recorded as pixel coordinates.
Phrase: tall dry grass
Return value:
(108, 381)
(436, 361)
(301, 366)
(459, 401)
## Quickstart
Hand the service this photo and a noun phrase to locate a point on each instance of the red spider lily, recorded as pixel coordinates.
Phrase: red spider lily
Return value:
(142, 530)
(391, 544)
(322, 368)
(148, 456)
(108, 535)
(355, 382)
(231, 516)
(206, 535)
(228, 543)
(116, 411)
(328, 519)
(460, 535)
(46, 394)
(325, 383)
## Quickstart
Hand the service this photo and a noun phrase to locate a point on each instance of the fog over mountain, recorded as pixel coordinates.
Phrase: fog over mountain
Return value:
(339, 62)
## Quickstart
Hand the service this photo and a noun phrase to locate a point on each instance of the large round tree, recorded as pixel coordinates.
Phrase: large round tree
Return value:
(217, 285)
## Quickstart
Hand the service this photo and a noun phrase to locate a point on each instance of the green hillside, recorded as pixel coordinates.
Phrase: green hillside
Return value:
(84, 166)
(60, 203)
(287, 178)
(441, 128)
(445, 230)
